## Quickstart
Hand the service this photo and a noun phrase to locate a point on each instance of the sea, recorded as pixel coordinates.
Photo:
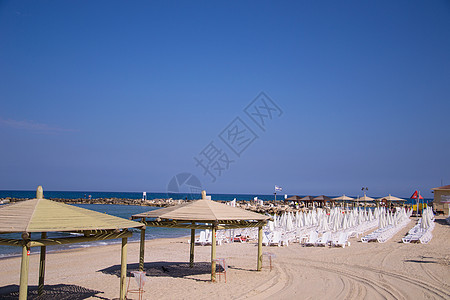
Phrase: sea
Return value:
(124, 211)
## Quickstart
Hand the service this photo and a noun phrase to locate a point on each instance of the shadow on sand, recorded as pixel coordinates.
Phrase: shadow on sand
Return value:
(165, 269)
(442, 222)
(59, 291)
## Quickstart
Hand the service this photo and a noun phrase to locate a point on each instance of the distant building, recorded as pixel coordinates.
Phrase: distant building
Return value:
(442, 199)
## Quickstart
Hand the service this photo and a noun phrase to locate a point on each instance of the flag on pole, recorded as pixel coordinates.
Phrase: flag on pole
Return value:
(414, 196)
(278, 188)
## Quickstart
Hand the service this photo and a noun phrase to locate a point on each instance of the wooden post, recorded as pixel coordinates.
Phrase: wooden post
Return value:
(23, 289)
(123, 269)
(42, 266)
(260, 236)
(191, 254)
(142, 250)
(213, 254)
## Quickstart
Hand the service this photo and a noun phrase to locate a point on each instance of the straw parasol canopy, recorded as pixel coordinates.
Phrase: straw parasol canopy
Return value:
(322, 198)
(202, 214)
(365, 198)
(203, 210)
(294, 198)
(42, 215)
(391, 198)
(307, 198)
(344, 198)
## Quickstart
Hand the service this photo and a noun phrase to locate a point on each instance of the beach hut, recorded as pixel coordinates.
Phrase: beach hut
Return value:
(202, 214)
(442, 199)
(43, 216)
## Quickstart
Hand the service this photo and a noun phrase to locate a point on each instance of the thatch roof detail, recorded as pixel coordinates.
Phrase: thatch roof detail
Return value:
(391, 198)
(42, 215)
(344, 198)
(294, 198)
(365, 198)
(322, 198)
(202, 210)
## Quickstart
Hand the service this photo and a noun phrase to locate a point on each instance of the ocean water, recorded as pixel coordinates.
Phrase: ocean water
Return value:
(123, 211)
(131, 195)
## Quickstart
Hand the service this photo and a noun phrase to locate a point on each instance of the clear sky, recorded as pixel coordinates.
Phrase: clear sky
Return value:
(124, 95)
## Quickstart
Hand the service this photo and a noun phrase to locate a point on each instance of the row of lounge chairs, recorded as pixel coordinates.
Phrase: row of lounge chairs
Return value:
(327, 239)
(222, 236)
(310, 239)
(381, 235)
(418, 234)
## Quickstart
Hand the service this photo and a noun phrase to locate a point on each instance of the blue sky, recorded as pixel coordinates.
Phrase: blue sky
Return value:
(121, 96)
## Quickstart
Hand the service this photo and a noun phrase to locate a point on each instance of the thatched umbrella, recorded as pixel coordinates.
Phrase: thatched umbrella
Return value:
(391, 198)
(307, 198)
(344, 198)
(294, 198)
(42, 216)
(365, 199)
(323, 199)
(202, 214)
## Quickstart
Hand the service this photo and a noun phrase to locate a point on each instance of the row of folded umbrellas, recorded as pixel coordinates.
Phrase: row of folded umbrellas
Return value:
(337, 219)
(343, 198)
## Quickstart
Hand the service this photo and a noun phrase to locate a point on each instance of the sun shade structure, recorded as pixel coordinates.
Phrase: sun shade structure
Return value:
(365, 198)
(42, 216)
(343, 198)
(322, 198)
(391, 198)
(294, 198)
(307, 198)
(202, 214)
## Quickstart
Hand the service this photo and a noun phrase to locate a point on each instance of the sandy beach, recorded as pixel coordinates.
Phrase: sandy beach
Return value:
(391, 270)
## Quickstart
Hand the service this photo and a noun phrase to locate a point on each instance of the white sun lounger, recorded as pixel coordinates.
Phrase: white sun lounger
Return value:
(325, 239)
(276, 239)
(342, 241)
(202, 239)
(312, 239)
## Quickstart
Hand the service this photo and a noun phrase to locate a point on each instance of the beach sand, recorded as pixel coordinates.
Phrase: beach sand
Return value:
(391, 270)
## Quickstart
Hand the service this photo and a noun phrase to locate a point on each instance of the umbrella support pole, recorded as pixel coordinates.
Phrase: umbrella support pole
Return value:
(260, 236)
(191, 254)
(213, 254)
(123, 268)
(42, 266)
(23, 289)
(142, 250)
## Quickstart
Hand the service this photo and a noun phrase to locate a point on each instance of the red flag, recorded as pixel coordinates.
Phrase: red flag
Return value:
(414, 196)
